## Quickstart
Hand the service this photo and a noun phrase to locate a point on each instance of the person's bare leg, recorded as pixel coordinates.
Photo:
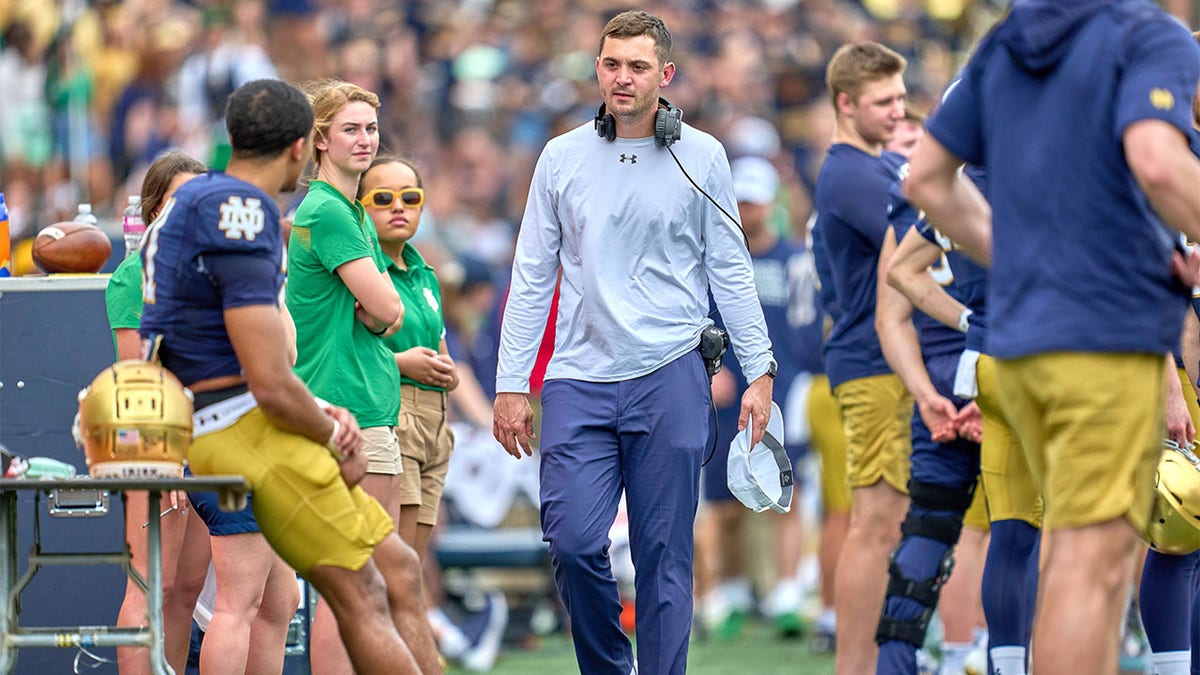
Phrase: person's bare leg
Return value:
(875, 516)
(960, 599)
(421, 545)
(704, 559)
(268, 634)
(1081, 598)
(789, 538)
(401, 570)
(242, 563)
(385, 488)
(358, 602)
(406, 524)
(834, 526)
(327, 654)
(136, 660)
(190, 571)
(731, 521)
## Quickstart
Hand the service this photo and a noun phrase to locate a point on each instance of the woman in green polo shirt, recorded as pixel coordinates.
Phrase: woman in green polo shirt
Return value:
(343, 302)
(392, 193)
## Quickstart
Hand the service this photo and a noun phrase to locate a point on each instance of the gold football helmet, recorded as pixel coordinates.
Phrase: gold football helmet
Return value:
(135, 420)
(1175, 522)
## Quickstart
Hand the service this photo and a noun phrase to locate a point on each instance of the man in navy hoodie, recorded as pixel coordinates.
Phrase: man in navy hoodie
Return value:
(1079, 111)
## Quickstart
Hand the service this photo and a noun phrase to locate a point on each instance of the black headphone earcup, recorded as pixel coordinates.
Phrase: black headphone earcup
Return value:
(668, 125)
(606, 125)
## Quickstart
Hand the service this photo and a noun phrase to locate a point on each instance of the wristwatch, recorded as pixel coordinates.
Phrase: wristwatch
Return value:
(772, 369)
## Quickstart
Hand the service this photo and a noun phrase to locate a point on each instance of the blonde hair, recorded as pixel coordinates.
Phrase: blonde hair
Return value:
(855, 64)
(328, 97)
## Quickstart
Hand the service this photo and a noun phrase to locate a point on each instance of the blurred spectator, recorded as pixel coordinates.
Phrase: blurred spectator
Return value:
(472, 90)
(478, 225)
(78, 143)
(24, 122)
(228, 58)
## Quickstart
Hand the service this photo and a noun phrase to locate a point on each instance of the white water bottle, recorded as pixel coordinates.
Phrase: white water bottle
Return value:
(85, 215)
(132, 225)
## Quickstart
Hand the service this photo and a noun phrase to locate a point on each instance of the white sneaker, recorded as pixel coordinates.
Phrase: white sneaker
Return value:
(785, 598)
(977, 660)
(451, 640)
(481, 655)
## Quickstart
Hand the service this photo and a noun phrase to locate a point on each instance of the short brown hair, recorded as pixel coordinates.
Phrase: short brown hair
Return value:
(854, 64)
(159, 176)
(911, 114)
(328, 98)
(633, 23)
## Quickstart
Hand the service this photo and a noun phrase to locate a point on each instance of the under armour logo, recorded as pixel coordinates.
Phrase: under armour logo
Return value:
(632, 158)
(242, 220)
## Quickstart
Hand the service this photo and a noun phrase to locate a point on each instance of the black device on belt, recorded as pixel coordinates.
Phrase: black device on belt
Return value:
(713, 343)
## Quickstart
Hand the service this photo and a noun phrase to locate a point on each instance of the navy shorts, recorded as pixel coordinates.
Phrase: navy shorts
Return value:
(955, 463)
(222, 523)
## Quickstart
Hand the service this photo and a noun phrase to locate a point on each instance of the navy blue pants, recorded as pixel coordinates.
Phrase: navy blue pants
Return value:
(645, 436)
(1167, 597)
(953, 465)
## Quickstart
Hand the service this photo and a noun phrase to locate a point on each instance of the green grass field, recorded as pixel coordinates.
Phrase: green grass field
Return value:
(757, 651)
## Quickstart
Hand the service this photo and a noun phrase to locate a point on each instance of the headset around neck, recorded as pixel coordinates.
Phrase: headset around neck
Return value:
(668, 123)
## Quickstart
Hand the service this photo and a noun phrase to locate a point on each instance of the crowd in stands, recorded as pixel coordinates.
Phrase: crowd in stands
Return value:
(94, 91)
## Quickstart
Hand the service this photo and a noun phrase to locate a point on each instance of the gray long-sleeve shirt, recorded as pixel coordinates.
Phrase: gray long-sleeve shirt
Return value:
(639, 248)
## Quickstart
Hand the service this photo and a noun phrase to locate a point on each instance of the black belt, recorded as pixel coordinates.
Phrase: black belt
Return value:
(207, 398)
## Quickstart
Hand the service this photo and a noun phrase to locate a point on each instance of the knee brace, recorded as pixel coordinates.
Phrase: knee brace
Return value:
(936, 513)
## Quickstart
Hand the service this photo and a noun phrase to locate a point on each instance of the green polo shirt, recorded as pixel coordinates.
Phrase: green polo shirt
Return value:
(337, 357)
(424, 325)
(123, 296)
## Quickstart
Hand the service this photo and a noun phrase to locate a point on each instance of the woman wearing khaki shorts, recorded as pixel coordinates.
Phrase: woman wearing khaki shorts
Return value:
(344, 305)
(391, 191)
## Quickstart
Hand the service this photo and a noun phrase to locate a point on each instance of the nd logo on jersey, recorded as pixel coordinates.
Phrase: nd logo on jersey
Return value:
(242, 220)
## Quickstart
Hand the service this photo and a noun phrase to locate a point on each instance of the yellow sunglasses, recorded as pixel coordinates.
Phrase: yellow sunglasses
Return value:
(381, 198)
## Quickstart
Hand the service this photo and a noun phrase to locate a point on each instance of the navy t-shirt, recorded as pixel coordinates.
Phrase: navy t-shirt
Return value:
(967, 278)
(936, 338)
(216, 245)
(1079, 262)
(851, 203)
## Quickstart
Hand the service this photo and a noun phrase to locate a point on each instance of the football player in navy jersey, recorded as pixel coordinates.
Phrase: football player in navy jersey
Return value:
(945, 463)
(866, 86)
(212, 284)
(1079, 338)
(1013, 503)
(1168, 592)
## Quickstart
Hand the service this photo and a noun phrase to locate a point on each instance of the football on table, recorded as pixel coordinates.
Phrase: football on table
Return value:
(71, 247)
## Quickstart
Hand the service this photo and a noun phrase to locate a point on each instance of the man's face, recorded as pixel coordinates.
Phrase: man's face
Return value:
(905, 138)
(878, 108)
(630, 76)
